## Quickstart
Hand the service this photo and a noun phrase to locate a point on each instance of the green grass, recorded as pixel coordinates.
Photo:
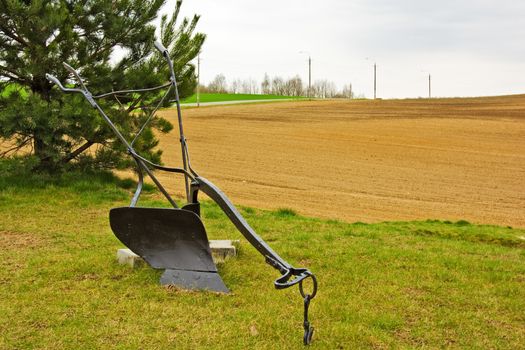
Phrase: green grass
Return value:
(234, 97)
(426, 284)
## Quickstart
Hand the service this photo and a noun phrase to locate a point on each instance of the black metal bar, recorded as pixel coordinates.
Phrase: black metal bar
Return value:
(57, 82)
(130, 149)
(308, 329)
(189, 159)
(75, 73)
(151, 115)
(165, 168)
(139, 185)
(166, 55)
(132, 91)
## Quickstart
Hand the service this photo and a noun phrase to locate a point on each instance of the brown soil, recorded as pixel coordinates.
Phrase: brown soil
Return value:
(364, 160)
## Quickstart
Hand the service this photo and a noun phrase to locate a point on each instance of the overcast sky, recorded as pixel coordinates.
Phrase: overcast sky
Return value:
(470, 47)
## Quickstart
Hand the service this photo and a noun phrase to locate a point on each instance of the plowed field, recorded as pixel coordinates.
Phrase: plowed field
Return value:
(364, 161)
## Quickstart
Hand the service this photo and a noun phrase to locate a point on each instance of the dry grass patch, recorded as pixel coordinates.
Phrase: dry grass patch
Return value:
(18, 240)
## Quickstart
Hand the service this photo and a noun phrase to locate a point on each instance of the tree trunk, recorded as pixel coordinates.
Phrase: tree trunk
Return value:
(42, 87)
(42, 153)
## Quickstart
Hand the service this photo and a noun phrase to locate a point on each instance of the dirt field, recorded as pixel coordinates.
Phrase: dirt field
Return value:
(365, 160)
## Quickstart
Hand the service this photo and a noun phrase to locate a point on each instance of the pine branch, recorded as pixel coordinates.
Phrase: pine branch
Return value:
(15, 149)
(10, 34)
(77, 152)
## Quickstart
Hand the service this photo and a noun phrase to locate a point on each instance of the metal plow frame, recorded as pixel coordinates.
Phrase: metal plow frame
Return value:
(175, 239)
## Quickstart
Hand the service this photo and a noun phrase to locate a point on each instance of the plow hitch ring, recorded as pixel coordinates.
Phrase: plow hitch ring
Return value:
(308, 329)
(287, 280)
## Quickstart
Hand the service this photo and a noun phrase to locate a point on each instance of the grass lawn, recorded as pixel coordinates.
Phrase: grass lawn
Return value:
(234, 97)
(428, 284)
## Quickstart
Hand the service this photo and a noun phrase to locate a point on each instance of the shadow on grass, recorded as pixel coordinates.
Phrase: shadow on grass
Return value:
(17, 174)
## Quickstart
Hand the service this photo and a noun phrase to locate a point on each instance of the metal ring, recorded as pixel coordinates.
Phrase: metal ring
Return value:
(314, 291)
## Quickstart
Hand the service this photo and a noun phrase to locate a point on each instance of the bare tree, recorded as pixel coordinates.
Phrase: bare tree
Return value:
(266, 85)
(254, 86)
(218, 84)
(324, 89)
(347, 91)
(245, 87)
(278, 86)
(235, 86)
(331, 89)
(294, 86)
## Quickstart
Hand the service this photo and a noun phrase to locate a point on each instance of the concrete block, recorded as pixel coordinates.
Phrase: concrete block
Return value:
(220, 251)
(223, 249)
(127, 257)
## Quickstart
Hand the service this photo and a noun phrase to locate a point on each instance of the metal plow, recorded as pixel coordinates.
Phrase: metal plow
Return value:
(174, 239)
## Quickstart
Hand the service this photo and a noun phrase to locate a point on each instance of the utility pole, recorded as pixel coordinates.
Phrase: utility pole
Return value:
(198, 79)
(375, 80)
(309, 77)
(309, 93)
(429, 87)
(375, 76)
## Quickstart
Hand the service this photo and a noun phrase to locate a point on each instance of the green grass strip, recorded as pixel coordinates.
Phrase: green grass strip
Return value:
(234, 97)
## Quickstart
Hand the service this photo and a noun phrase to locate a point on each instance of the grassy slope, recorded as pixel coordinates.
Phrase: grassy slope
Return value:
(387, 285)
(233, 97)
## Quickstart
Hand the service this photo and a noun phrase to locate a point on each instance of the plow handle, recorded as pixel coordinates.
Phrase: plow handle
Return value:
(160, 47)
(184, 148)
(57, 82)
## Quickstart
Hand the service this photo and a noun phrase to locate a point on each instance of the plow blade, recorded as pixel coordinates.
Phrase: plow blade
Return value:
(170, 239)
(194, 280)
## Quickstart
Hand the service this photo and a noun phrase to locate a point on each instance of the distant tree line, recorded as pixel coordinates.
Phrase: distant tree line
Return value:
(293, 86)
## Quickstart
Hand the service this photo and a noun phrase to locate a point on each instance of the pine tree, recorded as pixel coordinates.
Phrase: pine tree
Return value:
(111, 44)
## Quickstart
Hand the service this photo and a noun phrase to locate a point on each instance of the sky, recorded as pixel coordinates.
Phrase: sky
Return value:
(469, 47)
